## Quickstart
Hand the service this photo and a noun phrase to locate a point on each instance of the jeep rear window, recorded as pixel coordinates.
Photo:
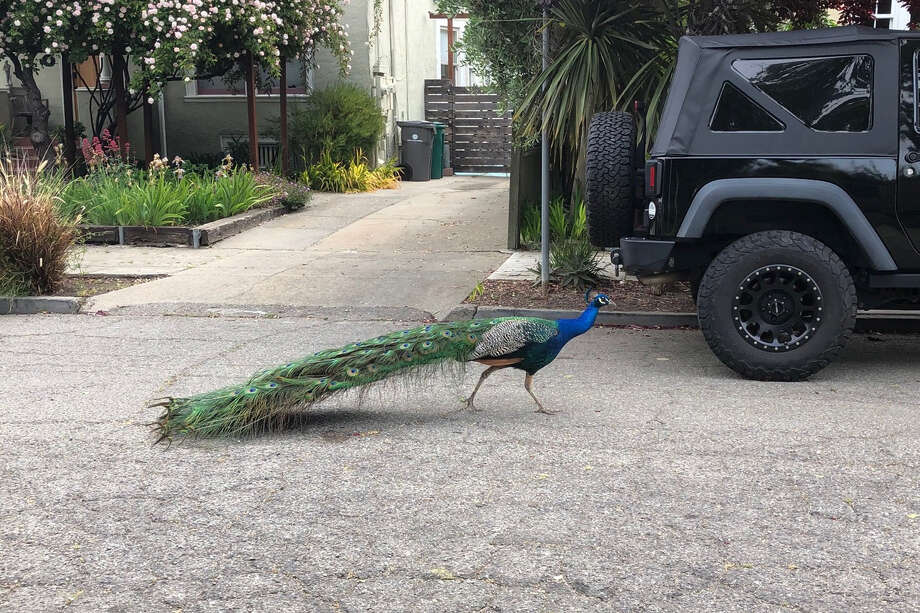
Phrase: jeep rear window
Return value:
(828, 94)
(735, 112)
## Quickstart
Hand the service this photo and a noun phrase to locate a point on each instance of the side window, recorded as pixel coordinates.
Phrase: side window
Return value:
(735, 112)
(829, 94)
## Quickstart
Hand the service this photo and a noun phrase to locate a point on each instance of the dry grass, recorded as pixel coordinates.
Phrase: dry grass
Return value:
(35, 241)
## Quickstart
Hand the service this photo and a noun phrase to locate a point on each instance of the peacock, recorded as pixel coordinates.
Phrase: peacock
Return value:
(525, 343)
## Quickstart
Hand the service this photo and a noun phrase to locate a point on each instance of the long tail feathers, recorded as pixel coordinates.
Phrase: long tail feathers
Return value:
(258, 404)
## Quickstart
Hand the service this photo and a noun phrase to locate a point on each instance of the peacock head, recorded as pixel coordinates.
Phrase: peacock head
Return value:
(598, 301)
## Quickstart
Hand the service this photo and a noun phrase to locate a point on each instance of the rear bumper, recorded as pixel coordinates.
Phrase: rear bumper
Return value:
(642, 256)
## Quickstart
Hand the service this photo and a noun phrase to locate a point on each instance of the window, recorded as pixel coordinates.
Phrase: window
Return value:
(828, 94)
(95, 70)
(299, 81)
(443, 47)
(735, 112)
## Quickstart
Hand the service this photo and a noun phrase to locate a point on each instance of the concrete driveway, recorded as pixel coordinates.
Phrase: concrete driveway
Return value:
(667, 483)
(424, 245)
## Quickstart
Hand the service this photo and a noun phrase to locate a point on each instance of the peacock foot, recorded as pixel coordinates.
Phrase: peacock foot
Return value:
(546, 411)
(470, 406)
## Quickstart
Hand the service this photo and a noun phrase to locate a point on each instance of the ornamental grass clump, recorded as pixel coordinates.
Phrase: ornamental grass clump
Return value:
(35, 239)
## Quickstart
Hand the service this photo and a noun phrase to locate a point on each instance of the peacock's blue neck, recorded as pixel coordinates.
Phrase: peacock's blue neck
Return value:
(570, 328)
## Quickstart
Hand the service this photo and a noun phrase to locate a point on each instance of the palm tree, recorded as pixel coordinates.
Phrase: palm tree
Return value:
(598, 48)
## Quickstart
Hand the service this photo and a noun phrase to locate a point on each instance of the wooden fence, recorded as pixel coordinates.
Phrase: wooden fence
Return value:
(478, 134)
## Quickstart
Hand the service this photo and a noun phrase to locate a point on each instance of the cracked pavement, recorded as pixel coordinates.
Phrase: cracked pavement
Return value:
(666, 484)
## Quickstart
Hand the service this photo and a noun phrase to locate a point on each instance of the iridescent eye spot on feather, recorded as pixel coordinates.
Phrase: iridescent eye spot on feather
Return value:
(252, 390)
(405, 332)
(408, 356)
(447, 334)
(405, 346)
(371, 368)
(273, 385)
(471, 338)
(427, 328)
(323, 380)
(353, 372)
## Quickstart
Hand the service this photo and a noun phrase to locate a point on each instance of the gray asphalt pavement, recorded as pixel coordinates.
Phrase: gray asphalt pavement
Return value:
(666, 484)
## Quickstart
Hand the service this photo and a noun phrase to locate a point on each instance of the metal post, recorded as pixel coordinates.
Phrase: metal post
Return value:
(544, 171)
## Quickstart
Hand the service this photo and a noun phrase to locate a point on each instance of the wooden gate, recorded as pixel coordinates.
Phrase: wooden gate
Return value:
(478, 134)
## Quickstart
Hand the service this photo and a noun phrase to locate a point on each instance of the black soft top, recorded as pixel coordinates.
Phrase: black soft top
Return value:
(824, 36)
(704, 65)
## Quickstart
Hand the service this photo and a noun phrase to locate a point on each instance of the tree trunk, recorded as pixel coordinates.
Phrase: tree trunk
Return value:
(121, 103)
(148, 132)
(41, 140)
(251, 106)
(70, 137)
(284, 119)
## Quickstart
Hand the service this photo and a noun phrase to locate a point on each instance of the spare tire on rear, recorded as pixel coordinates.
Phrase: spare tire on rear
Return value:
(609, 186)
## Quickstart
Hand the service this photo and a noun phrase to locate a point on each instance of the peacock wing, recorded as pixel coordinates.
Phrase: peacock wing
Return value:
(509, 335)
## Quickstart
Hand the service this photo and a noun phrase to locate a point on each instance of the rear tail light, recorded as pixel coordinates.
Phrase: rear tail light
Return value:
(652, 178)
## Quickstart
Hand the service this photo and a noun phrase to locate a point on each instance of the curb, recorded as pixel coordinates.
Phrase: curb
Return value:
(875, 321)
(604, 318)
(30, 305)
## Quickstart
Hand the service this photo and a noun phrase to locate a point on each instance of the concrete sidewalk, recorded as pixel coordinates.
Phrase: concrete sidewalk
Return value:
(423, 246)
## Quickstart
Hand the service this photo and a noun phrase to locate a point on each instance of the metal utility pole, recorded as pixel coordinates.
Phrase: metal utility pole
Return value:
(544, 165)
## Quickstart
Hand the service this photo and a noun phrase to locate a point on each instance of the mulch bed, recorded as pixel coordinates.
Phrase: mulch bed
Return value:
(625, 296)
(82, 286)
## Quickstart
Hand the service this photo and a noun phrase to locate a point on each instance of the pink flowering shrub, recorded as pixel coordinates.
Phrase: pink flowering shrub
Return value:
(101, 154)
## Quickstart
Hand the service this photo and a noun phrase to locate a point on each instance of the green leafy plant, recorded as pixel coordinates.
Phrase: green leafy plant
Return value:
(35, 239)
(356, 175)
(478, 291)
(563, 223)
(166, 195)
(574, 264)
(337, 121)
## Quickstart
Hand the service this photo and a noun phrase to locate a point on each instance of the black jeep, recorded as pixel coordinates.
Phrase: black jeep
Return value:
(784, 184)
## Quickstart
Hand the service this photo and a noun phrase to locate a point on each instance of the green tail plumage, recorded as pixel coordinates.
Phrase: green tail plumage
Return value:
(256, 405)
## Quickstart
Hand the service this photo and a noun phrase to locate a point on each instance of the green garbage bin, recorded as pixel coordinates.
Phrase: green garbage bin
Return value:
(437, 151)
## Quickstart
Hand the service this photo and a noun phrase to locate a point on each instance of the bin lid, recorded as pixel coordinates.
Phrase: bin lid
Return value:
(415, 124)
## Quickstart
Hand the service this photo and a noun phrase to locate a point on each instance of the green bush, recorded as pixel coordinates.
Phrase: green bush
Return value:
(339, 120)
(356, 175)
(290, 194)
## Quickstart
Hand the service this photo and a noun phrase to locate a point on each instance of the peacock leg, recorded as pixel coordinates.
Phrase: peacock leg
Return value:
(528, 381)
(488, 371)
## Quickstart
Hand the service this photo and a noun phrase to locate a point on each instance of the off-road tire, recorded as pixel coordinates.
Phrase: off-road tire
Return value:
(610, 177)
(731, 268)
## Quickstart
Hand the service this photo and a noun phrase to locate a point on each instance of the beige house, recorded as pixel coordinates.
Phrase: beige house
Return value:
(203, 116)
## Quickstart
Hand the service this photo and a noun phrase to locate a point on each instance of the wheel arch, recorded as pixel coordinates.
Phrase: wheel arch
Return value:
(828, 197)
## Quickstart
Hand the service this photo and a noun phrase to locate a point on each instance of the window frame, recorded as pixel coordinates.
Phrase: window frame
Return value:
(192, 95)
(872, 87)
